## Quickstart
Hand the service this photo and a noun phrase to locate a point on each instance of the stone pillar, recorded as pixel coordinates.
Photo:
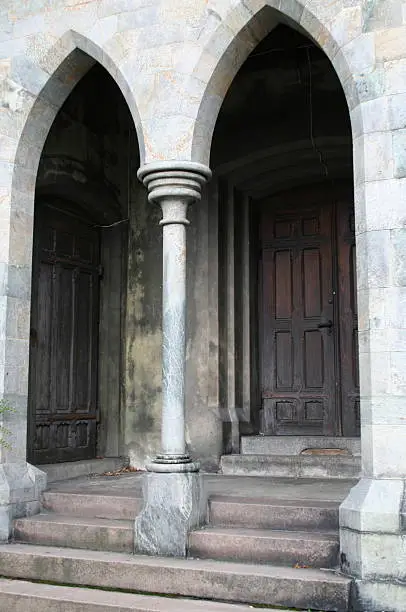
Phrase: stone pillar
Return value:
(372, 518)
(174, 501)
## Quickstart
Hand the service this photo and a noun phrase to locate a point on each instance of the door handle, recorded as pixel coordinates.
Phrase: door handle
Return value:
(326, 325)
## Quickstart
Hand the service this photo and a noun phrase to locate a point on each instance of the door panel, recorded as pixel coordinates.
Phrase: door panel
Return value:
(309, 367)
(298, 391)
(64, 338)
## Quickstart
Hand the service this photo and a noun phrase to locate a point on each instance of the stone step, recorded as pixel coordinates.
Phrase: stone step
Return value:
(21, 596)
(73, 469)
(92, 505)
(294, 445)
(305, 549)
(266, 513)
(291, 466)
(203, 579)
(75, 532)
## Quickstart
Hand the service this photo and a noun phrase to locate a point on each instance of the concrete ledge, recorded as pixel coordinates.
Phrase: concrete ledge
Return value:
(73, 469)
(205, 579)
(20, 596)
(291, 466)
(294, 445)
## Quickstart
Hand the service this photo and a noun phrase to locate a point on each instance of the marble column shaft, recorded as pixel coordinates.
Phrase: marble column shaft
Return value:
(174, 185)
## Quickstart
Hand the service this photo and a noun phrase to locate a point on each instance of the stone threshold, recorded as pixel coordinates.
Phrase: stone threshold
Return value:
(74, 469)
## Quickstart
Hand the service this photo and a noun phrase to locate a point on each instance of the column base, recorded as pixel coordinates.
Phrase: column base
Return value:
(173, 465)
(174, 505)
(21, 485)
(373, 544)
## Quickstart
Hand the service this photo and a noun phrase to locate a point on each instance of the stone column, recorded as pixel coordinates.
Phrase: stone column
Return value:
(372, 518)
(173, 497)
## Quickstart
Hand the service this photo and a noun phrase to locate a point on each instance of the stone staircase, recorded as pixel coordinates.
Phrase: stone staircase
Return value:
(254, 551)
(295, 457)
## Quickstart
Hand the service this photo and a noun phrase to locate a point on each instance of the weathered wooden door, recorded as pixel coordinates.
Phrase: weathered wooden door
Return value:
(64, 338)
(308, 321)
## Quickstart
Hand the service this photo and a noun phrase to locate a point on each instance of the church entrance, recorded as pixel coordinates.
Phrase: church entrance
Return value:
(64, 336)
(308, 314)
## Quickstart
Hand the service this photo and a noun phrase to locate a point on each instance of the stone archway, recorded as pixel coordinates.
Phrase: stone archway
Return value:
(354, 50)
(34, 112)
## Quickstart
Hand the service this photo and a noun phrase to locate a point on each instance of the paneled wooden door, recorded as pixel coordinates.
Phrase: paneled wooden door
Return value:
(308, 322)
(64, 338)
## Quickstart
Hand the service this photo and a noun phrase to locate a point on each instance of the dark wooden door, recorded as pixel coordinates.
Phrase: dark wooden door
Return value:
(308, 329)
(64, 338)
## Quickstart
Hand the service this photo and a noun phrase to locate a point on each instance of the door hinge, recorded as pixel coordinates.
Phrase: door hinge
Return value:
(100, 270)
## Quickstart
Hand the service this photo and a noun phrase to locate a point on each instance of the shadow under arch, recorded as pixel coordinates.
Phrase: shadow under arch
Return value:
(255, 25)
(74, 56)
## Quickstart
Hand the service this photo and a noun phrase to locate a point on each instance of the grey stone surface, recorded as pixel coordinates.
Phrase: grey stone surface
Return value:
(73, 532)
(73, 469)
(294, 445)
(218, 580)
(174, 504)
(102, 505)
(371, 595)
(19, 596)
(272, 513)
(291, 466)
(265, 546)
(21, 485)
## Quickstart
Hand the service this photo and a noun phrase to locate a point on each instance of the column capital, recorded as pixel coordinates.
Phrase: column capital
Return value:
(174, 180)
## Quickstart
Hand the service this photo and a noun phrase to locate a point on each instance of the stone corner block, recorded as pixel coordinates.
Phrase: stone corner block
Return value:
(21, 485)
(174, 505)
(373, 506)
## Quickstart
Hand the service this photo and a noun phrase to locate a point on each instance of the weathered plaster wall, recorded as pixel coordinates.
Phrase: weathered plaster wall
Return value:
(143, 370)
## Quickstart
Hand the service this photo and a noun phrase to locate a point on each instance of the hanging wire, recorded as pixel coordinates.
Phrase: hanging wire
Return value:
(311, 120)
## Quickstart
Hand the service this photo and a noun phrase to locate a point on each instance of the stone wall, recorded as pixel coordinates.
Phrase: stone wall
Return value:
(174, 62)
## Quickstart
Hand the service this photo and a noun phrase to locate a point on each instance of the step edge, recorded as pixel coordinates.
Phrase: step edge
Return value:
(20, 549)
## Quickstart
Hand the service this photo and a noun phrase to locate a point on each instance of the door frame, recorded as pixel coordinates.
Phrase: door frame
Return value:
(341, 191)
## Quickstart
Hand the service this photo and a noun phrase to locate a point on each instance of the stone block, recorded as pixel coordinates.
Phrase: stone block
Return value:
(397, 260)
(390, 44)
(384, 450)
(378, 161)
(397, 111)
(395, 76)
(174, 505)
(381, 15)
(375, 115)
(346, 25)
(373, 595)
(21, 485)
(28, 75)
(373, 252)
(370, 85)
(384, 204)
(143, 17)
(374, 372)
(373, 506)
(383, 555)
(360, 54)
(399, 153)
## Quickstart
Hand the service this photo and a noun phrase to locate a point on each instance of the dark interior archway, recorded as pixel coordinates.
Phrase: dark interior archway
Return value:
(79, 275)
(282, 155)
